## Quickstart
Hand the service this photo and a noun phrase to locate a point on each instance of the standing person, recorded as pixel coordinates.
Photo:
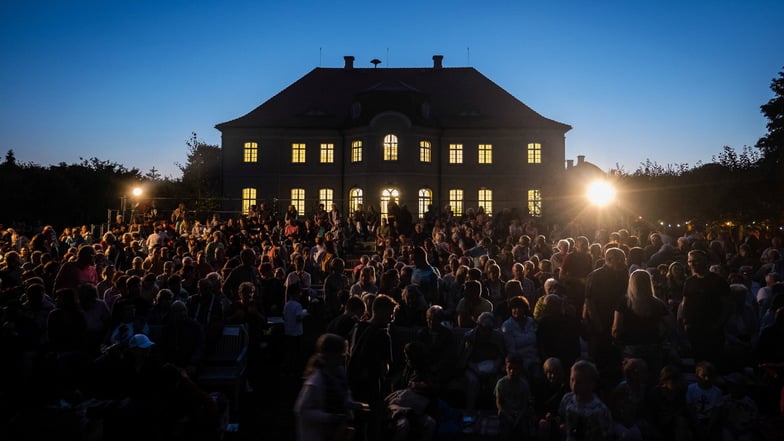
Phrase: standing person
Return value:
(324, 405)
(513, 400)
(425, 276)
(369, 361)
(293, 316)
(605, 288)
(638, 322)
(706, 307)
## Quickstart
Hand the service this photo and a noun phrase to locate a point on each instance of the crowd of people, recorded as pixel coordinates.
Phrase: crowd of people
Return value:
(628, 335)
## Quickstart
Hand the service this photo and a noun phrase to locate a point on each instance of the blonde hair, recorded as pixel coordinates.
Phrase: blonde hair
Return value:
(640, 294)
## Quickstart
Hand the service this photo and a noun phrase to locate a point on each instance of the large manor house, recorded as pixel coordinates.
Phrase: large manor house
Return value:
(416, 136)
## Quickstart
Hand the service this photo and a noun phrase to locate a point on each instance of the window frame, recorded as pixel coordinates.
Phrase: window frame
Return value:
(455, 154)
(534, 153)
(390, 147)
(298, 200)
(250, 152)
(424, 198)
(298, 152)
(534, 198)
(327, 197)
(484, 199)
(327, 153)
(455, 202)
(356, 151)
(485, 154)
(248, 198)
(425, 151)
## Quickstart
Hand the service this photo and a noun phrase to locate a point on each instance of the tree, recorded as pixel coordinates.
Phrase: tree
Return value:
(10, 159)
(201, 174)
(772, 144)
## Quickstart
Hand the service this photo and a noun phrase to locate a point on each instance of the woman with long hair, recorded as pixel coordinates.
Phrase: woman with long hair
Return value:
(324, 405)
(641, 323)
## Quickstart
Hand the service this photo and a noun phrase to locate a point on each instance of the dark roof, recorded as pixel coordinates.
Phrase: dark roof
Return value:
(446, 97)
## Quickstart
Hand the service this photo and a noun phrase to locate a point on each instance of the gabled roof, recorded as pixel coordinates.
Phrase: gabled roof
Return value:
(456, 98)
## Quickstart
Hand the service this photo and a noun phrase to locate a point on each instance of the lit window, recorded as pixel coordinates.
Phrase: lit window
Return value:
(425, 151)
(326, 198)
(248, 199)
(356, 151)
(298, 153)
(456, 201)
(425, 199)
(486, 200)
(250, 152)
(354, 199)
(390, 148)
(485, 153)
(327, 153)
(534, 153)
(455, 153)
(535, 202)
(388, 195)
(298, 200)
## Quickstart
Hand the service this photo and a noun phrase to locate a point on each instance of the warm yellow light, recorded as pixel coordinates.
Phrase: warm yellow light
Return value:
(137, 191)
(601, 193)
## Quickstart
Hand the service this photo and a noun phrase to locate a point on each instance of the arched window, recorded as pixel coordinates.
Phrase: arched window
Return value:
(354, 199)
(425, 199)
(388, 195)
(390, 148)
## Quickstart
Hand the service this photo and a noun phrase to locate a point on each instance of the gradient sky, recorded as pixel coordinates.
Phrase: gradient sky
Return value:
(128, 81)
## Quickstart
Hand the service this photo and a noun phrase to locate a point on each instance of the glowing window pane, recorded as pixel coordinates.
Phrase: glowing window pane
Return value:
(390, 148)
(455, 154)
(534, 153)
(248, 199)
(250, 152)
(388, 195)
(486, 200)
(356, 151)
(425, 151)
(298, 200)
(535, 202)
(354, 199)
(298, 153)
(425, 199)
(326, 198)
(485, 153)
(327, 153)
(456, 201)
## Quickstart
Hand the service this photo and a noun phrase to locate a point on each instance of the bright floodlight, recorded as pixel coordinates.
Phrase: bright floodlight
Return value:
(601, 193)
(137, 191)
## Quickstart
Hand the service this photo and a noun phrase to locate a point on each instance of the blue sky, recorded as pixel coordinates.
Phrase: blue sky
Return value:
(128, 81)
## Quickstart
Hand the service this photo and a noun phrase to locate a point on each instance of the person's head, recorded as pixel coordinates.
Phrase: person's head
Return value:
(164, 298)
(705, 372)
(635, 370)
(583, 379)
(411, 295)
(472, 290)
(640, 292)
(615, 258)
(581, 244)
(563, 246)
(670, 378)
(86, 255)
(337, 265)
(493, 272)
(383, 307)
(519, 307)
(553, 370)
(355, 306)
(550, 286)
(513, 366)
(179, 311)
(434, 316)
(367, 275)
(698, 262)
(332, 347)
(420, 257)
(485, 321)
(771, 279)
(552, 305)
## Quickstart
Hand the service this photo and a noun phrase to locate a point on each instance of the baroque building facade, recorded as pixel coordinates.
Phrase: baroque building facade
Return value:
(418, 136)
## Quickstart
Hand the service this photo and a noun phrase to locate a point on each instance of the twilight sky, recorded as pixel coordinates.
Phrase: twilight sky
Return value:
(128, 81)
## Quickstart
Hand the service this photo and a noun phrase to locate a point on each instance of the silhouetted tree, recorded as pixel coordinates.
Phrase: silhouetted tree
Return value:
(10, 159)
(201, 174)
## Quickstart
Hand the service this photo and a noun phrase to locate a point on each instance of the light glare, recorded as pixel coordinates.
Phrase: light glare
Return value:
(601, 193)
(137, 191)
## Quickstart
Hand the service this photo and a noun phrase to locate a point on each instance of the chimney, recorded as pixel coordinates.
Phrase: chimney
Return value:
(438, 61)
(580, 159)
(349, 62)
(569, 164)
